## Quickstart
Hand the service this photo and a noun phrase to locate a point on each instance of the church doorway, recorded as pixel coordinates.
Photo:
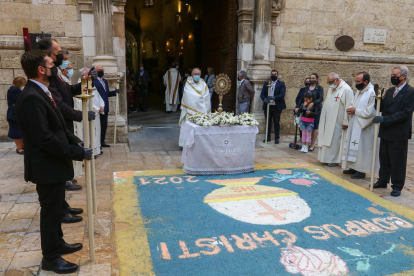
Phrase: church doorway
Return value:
(195, 33)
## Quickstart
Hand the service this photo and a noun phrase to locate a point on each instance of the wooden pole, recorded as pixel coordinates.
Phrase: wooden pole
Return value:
(267, 113)
(86, 142)
(92, 139)
(116, 107)
(374, 154)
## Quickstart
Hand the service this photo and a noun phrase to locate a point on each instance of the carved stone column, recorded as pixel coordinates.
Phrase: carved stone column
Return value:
(259, 69)
(102, 11)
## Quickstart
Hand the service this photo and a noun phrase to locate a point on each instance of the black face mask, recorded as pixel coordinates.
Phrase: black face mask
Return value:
(59, 59)
(312, 82)
(360, 86)
(307, 84)
(100, 74)
(273, 77)
(395, 80)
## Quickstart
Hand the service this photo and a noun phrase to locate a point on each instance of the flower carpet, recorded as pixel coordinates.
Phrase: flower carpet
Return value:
(283, 219)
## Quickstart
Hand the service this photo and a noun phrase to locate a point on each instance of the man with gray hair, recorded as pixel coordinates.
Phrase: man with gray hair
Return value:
(334, 120)
(395, 121)
(245, 95)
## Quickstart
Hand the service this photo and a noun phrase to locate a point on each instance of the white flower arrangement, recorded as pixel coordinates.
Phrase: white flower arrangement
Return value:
(223, 119)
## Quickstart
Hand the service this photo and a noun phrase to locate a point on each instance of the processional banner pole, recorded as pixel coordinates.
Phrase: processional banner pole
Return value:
(374, 154)
(84, 96)
(92, 140)
(267, 117)
(118, 81)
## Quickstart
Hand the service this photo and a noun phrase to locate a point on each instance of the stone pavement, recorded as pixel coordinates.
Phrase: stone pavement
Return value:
(20, 252)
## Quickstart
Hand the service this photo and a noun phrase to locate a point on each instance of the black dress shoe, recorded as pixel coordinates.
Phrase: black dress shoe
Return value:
(395, 193)
(67, 248)
(75, 211)
(378, 185)
(350, 171)
(59, 266)
(333, 164)
(74, 181)
(277, 141)
(358, 175)
(105, 145)
(264, 141)
(72, 187)
(20, 152)
(68, 218)
(101, 153)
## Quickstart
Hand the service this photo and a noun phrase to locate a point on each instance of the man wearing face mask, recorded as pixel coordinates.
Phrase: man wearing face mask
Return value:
(172, 82)
(334, 120)
(397, 107)
(357, 150)
(246, 94)
(49, 151)
(67, 74)
(102, 86)
(63, 94)
(276, 101)
(196, 98)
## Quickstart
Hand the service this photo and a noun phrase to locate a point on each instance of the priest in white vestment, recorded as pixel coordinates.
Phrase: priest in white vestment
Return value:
(334, 120)
(359, 141)
(196, 98)
(172, 96)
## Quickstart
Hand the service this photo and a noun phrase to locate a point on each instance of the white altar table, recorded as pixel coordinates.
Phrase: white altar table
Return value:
(218, 149)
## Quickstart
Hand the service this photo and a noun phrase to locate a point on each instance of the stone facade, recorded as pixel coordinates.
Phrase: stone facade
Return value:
(70, 22)
(302, 41)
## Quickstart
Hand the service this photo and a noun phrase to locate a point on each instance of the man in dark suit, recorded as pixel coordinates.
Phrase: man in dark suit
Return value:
(276, 102)
(395, 129)
(63, 94)
(246, 94)
(49, 151)
(102, 86)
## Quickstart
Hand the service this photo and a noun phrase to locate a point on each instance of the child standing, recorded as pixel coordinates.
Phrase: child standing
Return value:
(307, 121)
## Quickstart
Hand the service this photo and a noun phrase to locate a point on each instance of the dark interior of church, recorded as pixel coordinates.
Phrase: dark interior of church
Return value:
(195, 33)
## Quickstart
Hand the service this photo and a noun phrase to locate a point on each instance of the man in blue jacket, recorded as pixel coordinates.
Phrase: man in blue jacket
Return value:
(276, 101)
(102, 86)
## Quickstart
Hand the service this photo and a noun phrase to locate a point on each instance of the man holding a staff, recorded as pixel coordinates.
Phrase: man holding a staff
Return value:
(395, 121)
(49, 151)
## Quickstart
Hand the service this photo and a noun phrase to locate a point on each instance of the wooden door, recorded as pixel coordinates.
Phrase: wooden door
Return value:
(219, 42)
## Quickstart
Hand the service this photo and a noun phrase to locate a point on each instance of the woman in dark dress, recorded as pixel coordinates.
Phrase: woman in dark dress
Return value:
(12, 95)
(317, 92)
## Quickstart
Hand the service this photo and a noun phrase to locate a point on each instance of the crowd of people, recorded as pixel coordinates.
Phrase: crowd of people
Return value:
(45, 119)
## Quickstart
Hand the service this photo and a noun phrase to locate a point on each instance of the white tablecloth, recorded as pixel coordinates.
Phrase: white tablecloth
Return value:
(218, 149)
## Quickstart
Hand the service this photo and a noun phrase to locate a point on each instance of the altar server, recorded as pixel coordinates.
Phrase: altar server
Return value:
(172, 82)
(334, 120)
(196, 98)
(358, 144)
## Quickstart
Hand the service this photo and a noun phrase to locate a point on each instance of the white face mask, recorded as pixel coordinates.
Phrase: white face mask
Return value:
(141, 68)
(21, 88)
(333, 86)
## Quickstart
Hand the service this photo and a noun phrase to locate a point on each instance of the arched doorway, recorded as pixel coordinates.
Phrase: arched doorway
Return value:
(196, 33)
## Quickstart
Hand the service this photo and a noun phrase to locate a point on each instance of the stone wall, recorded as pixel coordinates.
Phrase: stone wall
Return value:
(305, 42)
(60, 18)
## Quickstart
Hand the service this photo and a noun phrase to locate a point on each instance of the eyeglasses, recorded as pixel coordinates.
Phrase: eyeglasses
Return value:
(331, 82)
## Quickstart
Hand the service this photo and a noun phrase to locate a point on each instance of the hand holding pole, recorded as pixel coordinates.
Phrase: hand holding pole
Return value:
(118, 81)
(267, 117)
(92, 140)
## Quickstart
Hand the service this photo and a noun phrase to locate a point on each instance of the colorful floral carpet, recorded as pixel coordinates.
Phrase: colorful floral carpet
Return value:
(283, 219)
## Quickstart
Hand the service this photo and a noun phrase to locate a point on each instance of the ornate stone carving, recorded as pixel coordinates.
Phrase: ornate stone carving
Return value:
(278, 5)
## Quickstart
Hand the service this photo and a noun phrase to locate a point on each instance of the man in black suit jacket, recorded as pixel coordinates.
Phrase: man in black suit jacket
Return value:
(49, 151)
(102, 86)
(276, 102)
(63, 94)
(395, 129)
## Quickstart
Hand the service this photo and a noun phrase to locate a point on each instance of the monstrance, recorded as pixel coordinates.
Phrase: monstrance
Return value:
(222, 85)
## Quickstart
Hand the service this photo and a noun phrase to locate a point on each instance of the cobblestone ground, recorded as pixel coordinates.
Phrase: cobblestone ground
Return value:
(20, 252)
